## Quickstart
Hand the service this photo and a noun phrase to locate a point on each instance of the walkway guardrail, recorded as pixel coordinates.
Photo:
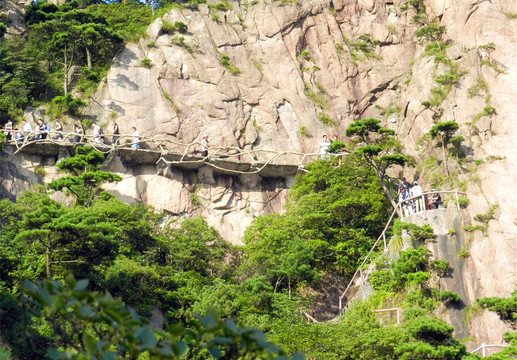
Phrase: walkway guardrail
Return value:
(483, 348)
(185, 153)
(425, 201)
(397, 310)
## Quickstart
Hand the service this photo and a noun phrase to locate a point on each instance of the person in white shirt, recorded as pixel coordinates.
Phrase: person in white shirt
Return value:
(97, 132)
(26, 128)
(323, 146)
(8, 130)
(136, 138)
(204, 146)
(415, 191)
(37, 132)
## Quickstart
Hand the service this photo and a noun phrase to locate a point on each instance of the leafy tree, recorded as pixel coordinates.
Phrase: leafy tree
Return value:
(376, 146)
(275, 247)
(333, 217)
(195, 246)
(506, 308)
(90, 324)
(431, 32)
(58, 235)
(72, 36)
(21, 78)
(410, 267)
(85, 175)
(445, 131)
(67, 104)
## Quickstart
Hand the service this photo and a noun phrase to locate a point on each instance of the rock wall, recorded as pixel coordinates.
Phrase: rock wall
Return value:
(228, 203)
(466, 273)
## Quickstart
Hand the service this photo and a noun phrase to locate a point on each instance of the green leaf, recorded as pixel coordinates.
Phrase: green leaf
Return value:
(81, 285)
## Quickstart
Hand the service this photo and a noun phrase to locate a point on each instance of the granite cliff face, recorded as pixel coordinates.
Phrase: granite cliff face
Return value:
(276, 75)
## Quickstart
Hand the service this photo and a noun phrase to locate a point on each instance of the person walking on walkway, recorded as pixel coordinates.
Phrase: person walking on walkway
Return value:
(8, 131)
(78, 131)
(323, 147)
(44, 129)
(58, 130)
(26, 128)
(97, 132)
(416, 192)
(37, 131)
(136, 138)
(115, 131)
(205, 144)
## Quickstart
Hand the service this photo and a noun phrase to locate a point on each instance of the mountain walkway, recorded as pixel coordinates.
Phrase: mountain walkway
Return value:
(228, 160)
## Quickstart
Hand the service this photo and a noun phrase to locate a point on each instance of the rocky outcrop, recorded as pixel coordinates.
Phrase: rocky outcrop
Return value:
(228, 203)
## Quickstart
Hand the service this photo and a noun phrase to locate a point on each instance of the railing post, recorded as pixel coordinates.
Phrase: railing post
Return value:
(384, 240)
(483, 353)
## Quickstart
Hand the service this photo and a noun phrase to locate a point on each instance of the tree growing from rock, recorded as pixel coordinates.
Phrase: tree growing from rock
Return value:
(444, 131)
(378, 147)
(85, 175)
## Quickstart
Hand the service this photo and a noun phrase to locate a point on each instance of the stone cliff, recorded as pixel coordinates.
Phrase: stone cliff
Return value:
(276, 75)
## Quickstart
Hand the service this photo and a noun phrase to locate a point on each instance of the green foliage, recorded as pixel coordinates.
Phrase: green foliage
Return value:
(448, 79)
(430, 33)
(88, 324)
(506, 308)
(448, 297)
(130, 19)
(487, 111)
(333, 217)
(318, 98)
(178, 26)
(72, 36)
(378, 147)
(435, 48)
(417, 233)
(3, 29)
(225, 61)
(303, 131)
(463, 254)
(463, 202)
(444, 131)
(363, 48)
(409, 268)
(335, 147)
(488, 216)
(472, 228)
(477, 87)
(440, 267)
(305, 54)
(67, 104)
(146, 63)
(195, 246)
(3, 139)
(326, 119)
(85, 176)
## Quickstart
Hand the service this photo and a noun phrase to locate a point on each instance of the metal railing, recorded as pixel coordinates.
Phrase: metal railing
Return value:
(425, 200)
(396, 309)
(483, 348)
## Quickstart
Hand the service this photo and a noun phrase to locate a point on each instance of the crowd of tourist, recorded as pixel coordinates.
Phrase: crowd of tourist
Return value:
(411, 199)
(40, 130)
